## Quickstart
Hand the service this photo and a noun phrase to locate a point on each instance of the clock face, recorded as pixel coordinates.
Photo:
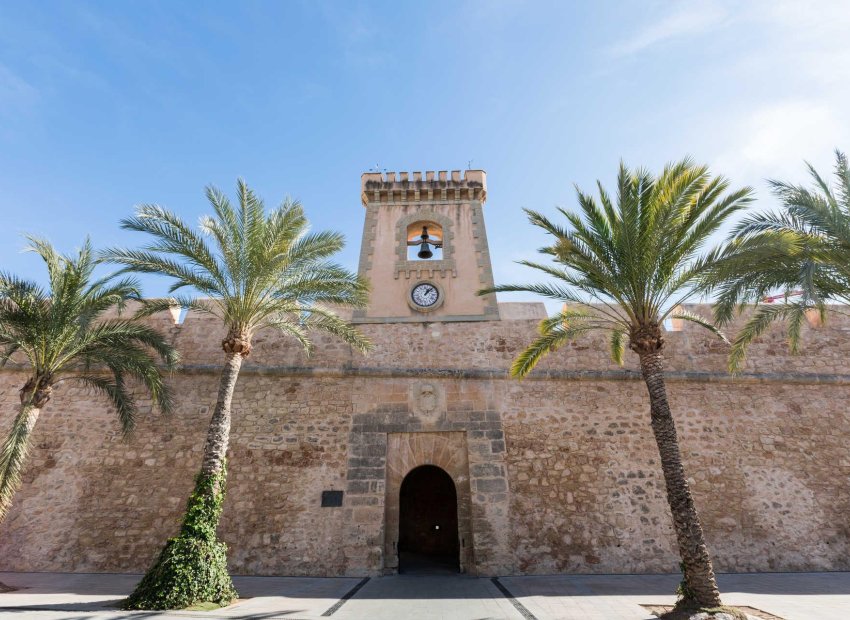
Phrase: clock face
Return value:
(425, 295)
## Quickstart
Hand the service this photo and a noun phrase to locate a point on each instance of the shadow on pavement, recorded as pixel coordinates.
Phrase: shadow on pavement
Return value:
(632, 585)
(51, 587)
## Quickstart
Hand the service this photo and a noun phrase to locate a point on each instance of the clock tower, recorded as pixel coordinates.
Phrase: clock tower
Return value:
(424, 247)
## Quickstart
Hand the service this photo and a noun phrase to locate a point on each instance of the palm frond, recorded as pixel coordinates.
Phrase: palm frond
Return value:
(152, 306)
(65, 328)
(629, 259)
(172, 236)
(13, 454)
(618, 345)
(142, 261)
(255, 268)
(122, 400)
(323, 320)
(761, 319)
(692, 317)
(804, 247)
(551, 337)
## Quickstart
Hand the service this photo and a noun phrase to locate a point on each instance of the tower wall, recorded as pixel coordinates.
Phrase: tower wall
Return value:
(394, 201)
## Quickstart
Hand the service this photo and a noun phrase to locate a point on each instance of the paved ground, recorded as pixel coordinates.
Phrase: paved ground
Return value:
(793, 596)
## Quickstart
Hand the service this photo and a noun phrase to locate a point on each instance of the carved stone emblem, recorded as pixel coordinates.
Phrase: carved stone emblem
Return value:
(427, 401)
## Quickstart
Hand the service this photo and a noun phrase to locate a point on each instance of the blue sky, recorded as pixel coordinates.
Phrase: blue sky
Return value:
(104, 105)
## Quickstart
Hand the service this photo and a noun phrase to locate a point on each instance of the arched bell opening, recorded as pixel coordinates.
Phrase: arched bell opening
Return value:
(428, 540)
(424, 241)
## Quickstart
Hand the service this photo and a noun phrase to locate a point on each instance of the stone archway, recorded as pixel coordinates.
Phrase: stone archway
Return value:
(444, 450)
(428, 539)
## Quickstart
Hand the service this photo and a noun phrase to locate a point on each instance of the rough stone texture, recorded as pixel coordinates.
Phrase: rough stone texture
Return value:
(562, 468)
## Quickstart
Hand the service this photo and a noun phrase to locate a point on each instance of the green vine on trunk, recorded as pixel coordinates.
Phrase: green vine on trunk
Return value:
(203, 509)
(192, 567)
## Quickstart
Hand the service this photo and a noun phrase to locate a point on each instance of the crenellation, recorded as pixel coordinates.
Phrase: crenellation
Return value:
(454, 186)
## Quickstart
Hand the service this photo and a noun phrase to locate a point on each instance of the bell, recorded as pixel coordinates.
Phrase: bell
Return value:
(424, 248)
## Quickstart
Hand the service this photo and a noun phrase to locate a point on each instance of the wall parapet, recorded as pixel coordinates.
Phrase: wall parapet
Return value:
(439, 186)
(492, 345)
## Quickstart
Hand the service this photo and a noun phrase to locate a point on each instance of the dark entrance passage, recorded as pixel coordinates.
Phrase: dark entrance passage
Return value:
(427, 532)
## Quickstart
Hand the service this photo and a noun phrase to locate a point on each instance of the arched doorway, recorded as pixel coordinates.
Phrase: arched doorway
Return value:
(428, 533)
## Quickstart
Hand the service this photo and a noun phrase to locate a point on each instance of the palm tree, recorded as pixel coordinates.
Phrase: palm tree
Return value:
(803, 251)
(625, 268)
(63, 335)
(255, 271)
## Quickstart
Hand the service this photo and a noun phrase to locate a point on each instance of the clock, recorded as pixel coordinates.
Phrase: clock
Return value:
(425, 295)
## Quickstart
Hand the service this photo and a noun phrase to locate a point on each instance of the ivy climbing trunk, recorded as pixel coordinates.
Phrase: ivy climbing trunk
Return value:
(192, 568)
(700, 586)
(14, 454)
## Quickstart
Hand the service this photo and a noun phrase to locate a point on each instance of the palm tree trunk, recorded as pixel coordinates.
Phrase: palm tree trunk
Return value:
(14, 454)
(210, 485)
(193, 566)
(218, 435)
(701, 585)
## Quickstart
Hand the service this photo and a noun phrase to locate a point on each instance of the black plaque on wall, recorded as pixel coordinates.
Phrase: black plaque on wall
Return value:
(331, 499)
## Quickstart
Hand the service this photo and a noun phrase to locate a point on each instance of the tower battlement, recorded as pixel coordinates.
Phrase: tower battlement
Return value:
(434, 186)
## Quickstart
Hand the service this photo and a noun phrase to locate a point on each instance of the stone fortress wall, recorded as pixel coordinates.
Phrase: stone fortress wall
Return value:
(556, 473)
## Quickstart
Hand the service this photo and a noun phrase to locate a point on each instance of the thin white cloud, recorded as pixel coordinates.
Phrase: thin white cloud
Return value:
(684, 20)
(814, 39)
(803, 114)
(18, 98)
(776, 138)
(797, 126)
(14, 90)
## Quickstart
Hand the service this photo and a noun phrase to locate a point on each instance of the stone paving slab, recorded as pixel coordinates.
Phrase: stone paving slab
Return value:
(792, 596)
(428, 597)
(66, 591)
(264, 597)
